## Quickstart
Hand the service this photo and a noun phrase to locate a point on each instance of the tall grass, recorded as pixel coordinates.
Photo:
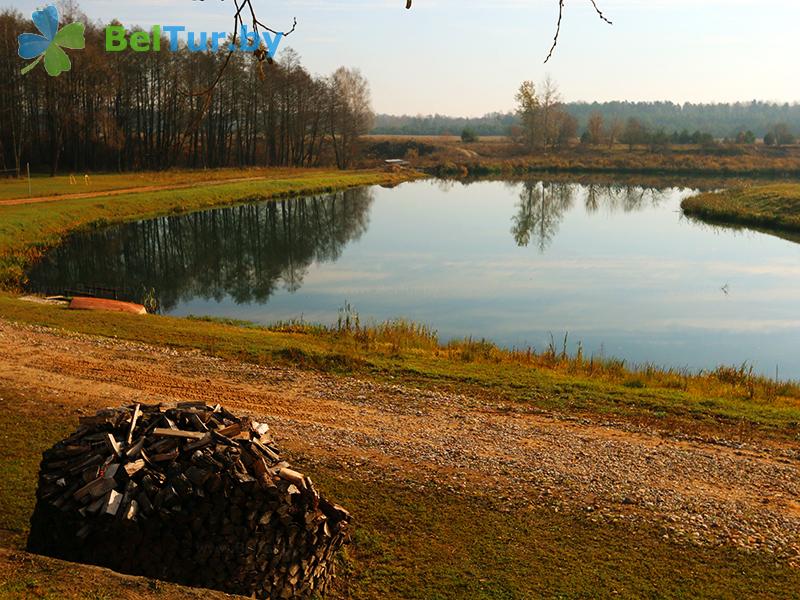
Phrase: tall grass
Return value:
(774, 206)
(395, 335)
(401, 337)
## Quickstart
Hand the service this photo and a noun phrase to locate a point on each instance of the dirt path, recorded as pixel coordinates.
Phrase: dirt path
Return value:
(700, 492)
(131, 190)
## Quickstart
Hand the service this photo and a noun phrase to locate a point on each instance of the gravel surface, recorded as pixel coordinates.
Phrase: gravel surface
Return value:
(700, 491)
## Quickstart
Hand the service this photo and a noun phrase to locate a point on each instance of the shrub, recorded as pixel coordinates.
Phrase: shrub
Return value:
(468, 136)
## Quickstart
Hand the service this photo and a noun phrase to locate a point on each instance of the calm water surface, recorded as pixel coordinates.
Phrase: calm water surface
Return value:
(618, 267)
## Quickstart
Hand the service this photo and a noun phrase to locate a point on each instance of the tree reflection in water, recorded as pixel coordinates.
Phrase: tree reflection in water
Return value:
(250, 251)
(244, 252)
(542, 206)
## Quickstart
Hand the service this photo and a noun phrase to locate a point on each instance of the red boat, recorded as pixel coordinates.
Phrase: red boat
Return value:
(103, 304)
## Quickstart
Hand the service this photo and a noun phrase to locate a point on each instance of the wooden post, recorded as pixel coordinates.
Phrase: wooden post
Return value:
(29, 179)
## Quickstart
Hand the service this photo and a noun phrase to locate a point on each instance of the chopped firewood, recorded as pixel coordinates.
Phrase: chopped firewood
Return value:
(293, 476)
(131, 511)
(165, 456)
(203, 441)
(135, 449)
(112, 444)
(268, 452)
(95, 488)
(143, 488)
(113, 499)
(197, 422)
(260, 428)
(134, 467)
(111, 470)
(136, 413)
(189, 435)
(230, 430)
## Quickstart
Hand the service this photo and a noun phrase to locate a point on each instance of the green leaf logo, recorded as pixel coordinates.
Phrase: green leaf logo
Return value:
(49, 44)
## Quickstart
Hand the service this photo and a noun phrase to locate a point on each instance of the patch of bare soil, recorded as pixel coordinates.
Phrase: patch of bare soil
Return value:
(701, 492)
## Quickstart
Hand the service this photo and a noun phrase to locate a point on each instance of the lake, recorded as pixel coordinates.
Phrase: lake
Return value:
(618, 267)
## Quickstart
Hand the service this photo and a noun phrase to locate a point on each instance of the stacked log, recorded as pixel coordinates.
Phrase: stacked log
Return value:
(187, 493)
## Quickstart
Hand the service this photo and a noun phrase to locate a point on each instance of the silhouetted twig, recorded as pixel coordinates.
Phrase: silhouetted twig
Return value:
(558, 25)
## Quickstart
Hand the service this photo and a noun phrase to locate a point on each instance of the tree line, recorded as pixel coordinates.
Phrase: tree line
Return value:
(545, 122)
(719, 120)
(147, 110)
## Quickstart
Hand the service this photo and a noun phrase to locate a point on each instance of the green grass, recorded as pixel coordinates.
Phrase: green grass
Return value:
(424, 543)
(42, 185)
(434, 545)
(29, 229)
(551, 381)
(766, 207)
(20, 453)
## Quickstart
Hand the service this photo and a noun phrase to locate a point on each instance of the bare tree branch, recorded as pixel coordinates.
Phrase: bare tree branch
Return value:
(558, 25)
(238, 22)
(600, 13)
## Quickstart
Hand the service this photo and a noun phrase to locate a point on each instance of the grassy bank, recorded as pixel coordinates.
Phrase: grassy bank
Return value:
(29, 229)
(521, 380)
(60, 185)
(495, 156)
(644, 163)
(409, 543)
(771, 207)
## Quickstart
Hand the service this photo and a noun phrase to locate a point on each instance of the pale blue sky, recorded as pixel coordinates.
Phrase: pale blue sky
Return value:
(467, 57)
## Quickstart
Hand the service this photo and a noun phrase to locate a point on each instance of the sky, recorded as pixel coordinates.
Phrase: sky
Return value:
(468, 57)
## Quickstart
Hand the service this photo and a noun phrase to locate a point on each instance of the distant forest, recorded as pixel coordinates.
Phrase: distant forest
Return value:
(720, 120)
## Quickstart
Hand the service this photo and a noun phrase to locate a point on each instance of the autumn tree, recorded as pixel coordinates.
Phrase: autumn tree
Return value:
(634, 133)
(596, 128)
(780, 135)
(349, 113)
(528, 108)
(544, 123)
(614, 131)
(567, 129)
(551, 109)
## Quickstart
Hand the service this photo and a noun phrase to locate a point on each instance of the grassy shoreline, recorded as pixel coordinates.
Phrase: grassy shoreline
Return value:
(679, 165)
(441, 155)
(722, 400)
(770, 207)
(28, 230)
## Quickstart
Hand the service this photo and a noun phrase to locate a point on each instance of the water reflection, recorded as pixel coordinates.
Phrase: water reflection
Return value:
(245, 252)
(542, 206)
(625, 198)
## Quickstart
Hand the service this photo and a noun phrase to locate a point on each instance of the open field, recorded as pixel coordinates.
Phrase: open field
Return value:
(43, 186)
(771, 207)
(454, 495)
(26, 230)
(447, 155)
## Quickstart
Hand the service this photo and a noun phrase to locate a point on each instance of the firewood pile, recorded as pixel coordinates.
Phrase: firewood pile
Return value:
(191, 494)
